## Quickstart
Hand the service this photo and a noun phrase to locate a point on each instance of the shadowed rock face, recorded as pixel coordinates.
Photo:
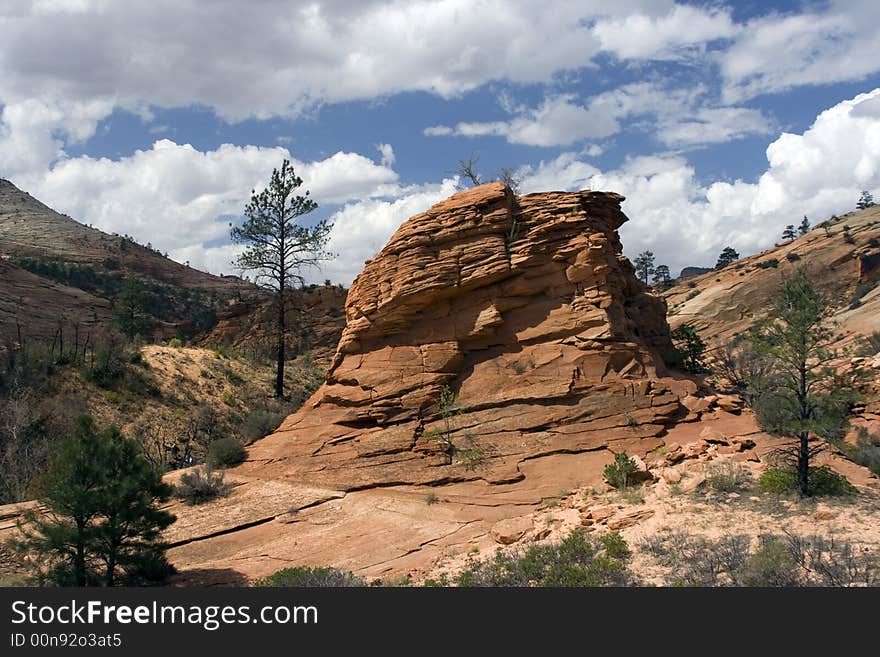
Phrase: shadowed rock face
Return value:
(526, 308)
(315, 318)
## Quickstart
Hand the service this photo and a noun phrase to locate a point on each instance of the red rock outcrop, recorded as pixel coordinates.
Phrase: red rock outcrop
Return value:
(526, 309)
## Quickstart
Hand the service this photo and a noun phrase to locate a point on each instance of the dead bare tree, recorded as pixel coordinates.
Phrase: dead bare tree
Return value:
(467, 170)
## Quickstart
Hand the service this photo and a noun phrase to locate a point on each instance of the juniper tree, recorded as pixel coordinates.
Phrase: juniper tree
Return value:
(799, 394)
(644, 264)
(789, 232)
(727, 255)
(278, 247)
(866, 200)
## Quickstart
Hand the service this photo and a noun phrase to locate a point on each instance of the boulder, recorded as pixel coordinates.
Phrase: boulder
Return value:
(642, 473)
(670, 475)
(730, 403)
(629, 518)
(511, 530)
(600, 513)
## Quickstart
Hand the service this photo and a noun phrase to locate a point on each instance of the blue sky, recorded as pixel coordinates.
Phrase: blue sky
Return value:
(720, 122)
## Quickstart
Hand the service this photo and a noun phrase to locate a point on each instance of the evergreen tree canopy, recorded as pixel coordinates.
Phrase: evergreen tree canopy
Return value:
(278, 248)
(727, 255)
(799, 394)
(644, 264)
(866, 200)
(804, 227)
(101, 519)
(661, 277)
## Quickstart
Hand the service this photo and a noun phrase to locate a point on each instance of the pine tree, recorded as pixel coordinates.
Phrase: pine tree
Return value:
(727, 255)
(866, 200)
(644, 264)
(101, 516)
(130, 309)
(789, 232)
(800, 395)
(804, 228)
(662, 279)
(278, 248)
(690, 349)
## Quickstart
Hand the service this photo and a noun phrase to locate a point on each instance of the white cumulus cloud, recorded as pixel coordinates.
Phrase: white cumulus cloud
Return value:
(817, 173)
(361, 229)
(678, 117)
(277, 58)
(778, 52)
(181, 199)
(665, 36)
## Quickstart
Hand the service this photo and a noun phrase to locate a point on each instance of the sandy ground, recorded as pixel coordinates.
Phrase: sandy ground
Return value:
(690, 505)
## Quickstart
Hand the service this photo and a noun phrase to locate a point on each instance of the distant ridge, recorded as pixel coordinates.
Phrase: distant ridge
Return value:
(690, 272)
(56, 271)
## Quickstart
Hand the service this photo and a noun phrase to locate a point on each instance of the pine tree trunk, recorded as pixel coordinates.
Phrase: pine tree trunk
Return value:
(111, 570)
(79, 562)
(803, 465)
(279, 373)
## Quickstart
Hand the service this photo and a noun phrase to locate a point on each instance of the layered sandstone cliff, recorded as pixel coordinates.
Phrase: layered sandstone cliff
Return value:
(522, 306)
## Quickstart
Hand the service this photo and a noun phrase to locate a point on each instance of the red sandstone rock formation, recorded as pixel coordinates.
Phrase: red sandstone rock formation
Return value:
(526, 308)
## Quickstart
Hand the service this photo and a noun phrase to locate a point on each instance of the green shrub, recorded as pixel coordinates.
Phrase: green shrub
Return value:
(792, 257)
(575, 561)
(690, 350)
(777, 480)
(225, 452)
(772, 564)
(615, 545)
(726, 476)
(826, 482)
(696, 561)
(259, 423)
(232, 376)
(175, 343)
(822, 481)
(109, 365)
(201, 485)
(786, 560)
(151, 569)
(618, 474)
(303, 576)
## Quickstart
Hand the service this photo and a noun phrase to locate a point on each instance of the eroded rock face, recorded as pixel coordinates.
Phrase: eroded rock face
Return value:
(523, 306)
